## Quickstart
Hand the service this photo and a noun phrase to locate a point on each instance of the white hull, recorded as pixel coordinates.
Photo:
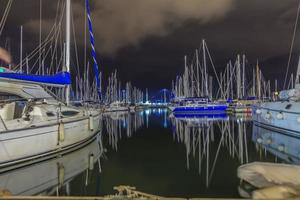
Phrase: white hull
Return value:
(21, 145)
(278, 116)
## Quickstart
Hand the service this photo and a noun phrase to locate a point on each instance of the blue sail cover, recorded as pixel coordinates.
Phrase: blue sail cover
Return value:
(62, 78)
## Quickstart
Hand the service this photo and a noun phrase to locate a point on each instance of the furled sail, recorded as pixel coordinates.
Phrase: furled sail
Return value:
(61, 78)
(93, 51)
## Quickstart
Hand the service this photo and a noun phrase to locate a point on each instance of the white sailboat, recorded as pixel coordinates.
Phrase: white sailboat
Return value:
(282, 115)
(33, 123)
(193, 94)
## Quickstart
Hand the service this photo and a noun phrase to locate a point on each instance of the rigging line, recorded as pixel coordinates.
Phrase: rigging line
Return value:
(210, 58)
(47, 40)
(33, 53)
(57, 21)
(57, 34)
(45, 55)
(4, 18)
(4, 14)
(2, 23)
(7, 9)
(75, 44)
(54, 32)
(292, 46)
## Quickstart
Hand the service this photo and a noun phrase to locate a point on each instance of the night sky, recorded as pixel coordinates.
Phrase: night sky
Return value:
(146, 40)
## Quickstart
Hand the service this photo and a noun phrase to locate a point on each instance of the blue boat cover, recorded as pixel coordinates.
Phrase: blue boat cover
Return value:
(201, 109)
(61, 78)
(201, 115)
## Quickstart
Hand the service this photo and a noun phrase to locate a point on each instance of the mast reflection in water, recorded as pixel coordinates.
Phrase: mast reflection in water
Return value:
(158, 153)
(197, 132)
(117, 123)
(151, 156)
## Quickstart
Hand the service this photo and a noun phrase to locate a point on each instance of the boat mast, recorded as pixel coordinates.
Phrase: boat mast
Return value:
(21, 49)
(238, 76)
(228, 81)
(258, 80)
(276, 85)
(191, 74)
(243, 77)
(298, 72)
(185, 78)
(68, 19)
(253, 83)
(205, 68)
(40, 39)
(197, 71)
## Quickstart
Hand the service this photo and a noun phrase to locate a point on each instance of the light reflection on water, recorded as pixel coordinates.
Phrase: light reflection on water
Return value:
(213, 145)
(160, 153)
(198, 134)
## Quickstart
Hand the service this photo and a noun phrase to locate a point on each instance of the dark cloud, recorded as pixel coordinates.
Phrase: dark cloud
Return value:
(146, 40)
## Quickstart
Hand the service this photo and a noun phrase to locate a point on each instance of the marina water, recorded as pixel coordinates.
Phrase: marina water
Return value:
(158, 153)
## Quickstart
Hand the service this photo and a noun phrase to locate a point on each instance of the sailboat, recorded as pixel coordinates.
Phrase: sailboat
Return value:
(33, 123)
(194, 90)
(282, 115)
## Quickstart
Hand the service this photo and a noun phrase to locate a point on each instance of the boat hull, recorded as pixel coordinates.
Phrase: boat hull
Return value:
(22, 145)
(210, 108)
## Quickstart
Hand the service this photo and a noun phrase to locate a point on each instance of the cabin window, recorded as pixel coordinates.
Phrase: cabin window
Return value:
(8, 97)
(36, 92)
(19, 108)
(69, 113)
(288, 106)
(50, 114)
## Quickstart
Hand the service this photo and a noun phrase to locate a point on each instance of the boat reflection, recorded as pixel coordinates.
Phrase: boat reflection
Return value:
(245, 117)
(198, 134)
(283, 146)
(119, 123)
(54, 176)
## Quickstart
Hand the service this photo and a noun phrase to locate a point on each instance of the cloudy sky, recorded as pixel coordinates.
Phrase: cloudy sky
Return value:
(146, 40)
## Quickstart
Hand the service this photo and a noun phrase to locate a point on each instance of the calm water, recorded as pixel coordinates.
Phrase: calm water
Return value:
(160, 154)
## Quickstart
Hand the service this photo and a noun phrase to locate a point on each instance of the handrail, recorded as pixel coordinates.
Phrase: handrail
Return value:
(3, 123)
